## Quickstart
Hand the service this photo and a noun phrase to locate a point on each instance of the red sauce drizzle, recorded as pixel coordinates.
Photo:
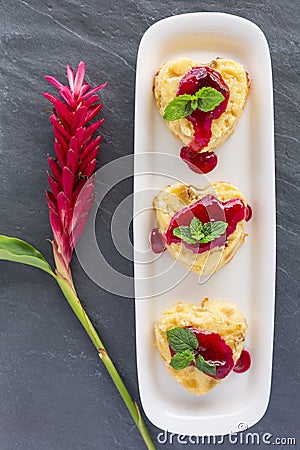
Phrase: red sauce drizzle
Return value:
(243, 363)
(199, 162)
(206, 209)
(249, 213)
(157, 241)
(194, 80)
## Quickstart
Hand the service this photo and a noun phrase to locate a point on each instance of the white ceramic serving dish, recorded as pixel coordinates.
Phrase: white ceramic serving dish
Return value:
(247, 161)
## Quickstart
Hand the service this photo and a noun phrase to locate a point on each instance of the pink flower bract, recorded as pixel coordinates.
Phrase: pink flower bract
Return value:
(71, 169)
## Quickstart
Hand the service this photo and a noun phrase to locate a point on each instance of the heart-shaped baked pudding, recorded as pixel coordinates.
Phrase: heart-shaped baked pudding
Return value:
(202, 344)
(201, 105)
(201, 227)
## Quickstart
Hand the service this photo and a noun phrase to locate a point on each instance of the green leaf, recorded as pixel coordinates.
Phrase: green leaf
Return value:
(209, 98)
(196, 229)
(181, 339)
(184, 233)
(213, 230)
(205, 367)
(182, 360)
(206, 99)
(194, 103)
(16, 250)
(178, 108)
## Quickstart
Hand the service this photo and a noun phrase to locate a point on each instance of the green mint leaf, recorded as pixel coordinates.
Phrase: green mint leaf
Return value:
(206, 99)
(182, 360)
(184, 233)
(204, 366)
(209, 98)
(181, 339)
(194, 103)
(196, 229)
(179, 107)
(213, 230)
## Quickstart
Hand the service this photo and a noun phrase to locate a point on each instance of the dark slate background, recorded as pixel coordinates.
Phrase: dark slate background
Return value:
(54, 393)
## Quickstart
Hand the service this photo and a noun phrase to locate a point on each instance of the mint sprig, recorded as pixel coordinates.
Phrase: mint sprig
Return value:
(209, 98)
(185, 234)
(182, 360)
(196, 229)
(197, 232)
(206, 99)
(205, 366)
(180, 107)
(181, 339)
(185, 345)
(213, 230)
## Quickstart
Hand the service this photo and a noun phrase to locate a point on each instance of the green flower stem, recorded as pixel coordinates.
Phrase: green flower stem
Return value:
(78, 309)
(16, 250)
(132, 406)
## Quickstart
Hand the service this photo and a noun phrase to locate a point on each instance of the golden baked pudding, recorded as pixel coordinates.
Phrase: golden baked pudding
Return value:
(181, 206)
(219, 329)
(166, 84)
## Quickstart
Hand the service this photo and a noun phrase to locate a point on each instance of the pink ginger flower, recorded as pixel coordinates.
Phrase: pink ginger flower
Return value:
(71, 194)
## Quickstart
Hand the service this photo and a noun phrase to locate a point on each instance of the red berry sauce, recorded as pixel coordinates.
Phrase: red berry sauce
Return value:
(243, 363)
(207, 209)
(195, 79)
(199, 162)
(157, 241)
(215, 351)
(249, 213)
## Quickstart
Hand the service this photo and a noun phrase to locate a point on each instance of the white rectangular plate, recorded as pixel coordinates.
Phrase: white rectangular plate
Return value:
(247, 161)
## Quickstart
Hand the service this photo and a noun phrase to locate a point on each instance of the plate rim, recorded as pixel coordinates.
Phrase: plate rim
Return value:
(252, 417)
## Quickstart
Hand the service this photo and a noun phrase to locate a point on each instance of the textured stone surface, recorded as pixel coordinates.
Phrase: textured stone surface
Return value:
(53, 392)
